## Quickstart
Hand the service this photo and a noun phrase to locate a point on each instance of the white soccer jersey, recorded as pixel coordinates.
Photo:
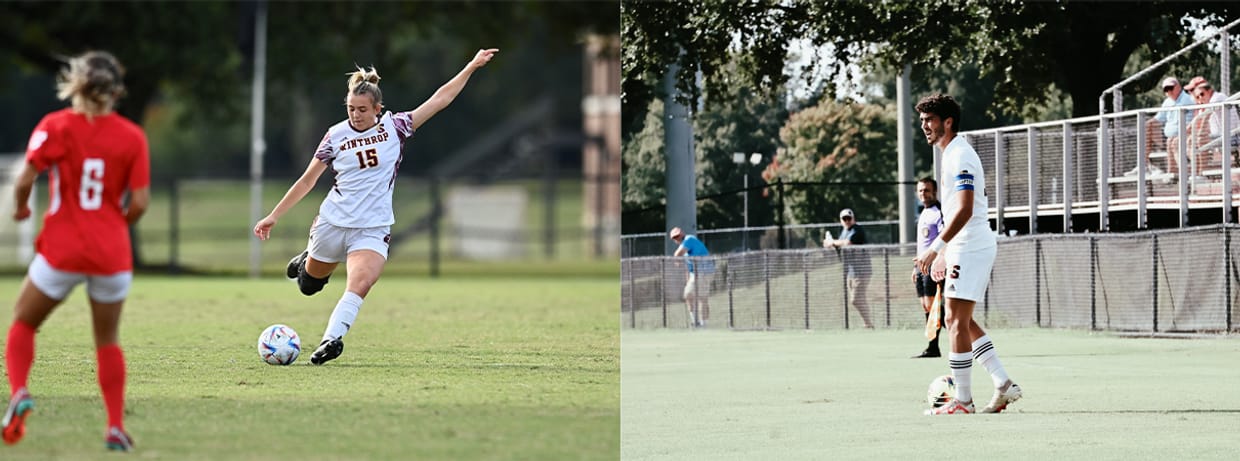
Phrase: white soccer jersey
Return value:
(365, 163)
(962, 170)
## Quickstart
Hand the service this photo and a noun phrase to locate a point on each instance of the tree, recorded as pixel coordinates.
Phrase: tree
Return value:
(739, 120)
(198, 56)
(643, 184)
(837, 142)
(1080, 47)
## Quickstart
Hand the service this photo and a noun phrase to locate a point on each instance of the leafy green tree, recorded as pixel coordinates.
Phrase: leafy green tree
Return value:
(644, 179)
(1080, 47)
(837, 142)
(739, 120)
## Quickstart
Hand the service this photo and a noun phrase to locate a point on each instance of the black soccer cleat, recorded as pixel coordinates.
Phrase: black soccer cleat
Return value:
(328, 350)
(294, 265)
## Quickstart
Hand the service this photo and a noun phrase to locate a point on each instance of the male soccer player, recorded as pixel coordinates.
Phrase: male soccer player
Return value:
(963, 255)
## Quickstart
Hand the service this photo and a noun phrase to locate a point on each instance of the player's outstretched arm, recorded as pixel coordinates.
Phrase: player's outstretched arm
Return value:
(295, 193)
(446, 93)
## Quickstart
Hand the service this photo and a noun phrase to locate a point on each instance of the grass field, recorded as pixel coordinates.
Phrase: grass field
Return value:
(456, 368)
(793, 395)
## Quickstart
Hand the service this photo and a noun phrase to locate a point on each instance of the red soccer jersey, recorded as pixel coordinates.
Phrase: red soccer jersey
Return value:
(91, 165)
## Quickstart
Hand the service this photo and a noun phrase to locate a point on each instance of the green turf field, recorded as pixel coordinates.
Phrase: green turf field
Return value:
(449, 369)
(796, 395)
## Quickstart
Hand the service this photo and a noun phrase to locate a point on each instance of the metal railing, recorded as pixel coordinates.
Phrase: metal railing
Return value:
(1079, 165)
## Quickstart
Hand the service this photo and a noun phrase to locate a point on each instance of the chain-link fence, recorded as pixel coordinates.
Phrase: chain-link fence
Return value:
(1157, 281)
(802, 236)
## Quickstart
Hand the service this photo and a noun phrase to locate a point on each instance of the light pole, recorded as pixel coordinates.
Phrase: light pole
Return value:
(754, 159)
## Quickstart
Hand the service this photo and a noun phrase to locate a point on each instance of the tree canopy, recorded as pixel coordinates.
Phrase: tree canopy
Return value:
(189, 66)
(1080, 47)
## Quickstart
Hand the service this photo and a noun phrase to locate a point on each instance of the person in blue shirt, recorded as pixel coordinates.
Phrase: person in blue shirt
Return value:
(1163, 130)
(701, 273)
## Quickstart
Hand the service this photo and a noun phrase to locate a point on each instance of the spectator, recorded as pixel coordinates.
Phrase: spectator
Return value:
(1164, 127)
(697, 287)
(856, 263)
(1209, 127)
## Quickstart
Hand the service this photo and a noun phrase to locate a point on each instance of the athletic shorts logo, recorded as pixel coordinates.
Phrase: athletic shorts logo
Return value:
(387, 239)
(956, 271)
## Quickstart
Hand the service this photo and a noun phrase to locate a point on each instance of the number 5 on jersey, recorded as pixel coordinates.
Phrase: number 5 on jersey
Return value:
(371, 158)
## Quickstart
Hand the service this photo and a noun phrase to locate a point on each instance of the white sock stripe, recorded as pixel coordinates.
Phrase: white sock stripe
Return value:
(960, 363)
(983, 349)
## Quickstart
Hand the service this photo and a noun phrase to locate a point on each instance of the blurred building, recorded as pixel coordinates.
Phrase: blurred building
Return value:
(601, 152)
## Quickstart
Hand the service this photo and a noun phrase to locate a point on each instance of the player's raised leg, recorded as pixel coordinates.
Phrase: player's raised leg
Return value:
(313, 274)
(32, 308)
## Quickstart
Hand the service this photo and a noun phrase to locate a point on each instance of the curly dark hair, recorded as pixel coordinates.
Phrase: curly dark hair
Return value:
(943, 106)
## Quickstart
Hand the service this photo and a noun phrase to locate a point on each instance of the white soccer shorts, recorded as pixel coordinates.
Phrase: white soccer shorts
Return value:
(57, 284)
(968, 273)
(332, 244)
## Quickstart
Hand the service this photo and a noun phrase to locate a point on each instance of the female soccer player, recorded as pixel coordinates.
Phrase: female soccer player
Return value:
(355, 220)
(93, 156)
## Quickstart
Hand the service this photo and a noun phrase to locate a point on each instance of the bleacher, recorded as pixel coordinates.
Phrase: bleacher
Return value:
(1090, 173)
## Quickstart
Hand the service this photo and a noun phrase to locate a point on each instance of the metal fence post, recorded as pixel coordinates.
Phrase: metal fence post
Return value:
(1093, 282)
(1068, 179)
(663, 288)
(844, 278)
(1000, 174)
(1154, 266)
(1142, 167)
(887, 282)
(805, 272)
(728, 273)
(1104, 175)
(1031, 136)
(1227, 270)
(1037, 279)
(766, 270)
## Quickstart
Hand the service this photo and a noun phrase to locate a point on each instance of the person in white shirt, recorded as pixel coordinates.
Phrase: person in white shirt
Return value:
(1208, 126)
(966, 248)
(355, 219)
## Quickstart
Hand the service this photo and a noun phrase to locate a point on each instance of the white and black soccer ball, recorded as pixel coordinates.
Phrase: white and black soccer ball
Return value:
(942, 390)
(279, 345)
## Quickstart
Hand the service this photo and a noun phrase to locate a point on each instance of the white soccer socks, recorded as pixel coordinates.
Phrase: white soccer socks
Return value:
(343, 316)
(984, 353)
(962, 373)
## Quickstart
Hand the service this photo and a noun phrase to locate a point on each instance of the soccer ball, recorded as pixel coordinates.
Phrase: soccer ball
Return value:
(279, 345)
(942, 390)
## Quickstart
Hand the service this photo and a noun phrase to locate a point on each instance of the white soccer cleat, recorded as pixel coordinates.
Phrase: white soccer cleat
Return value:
(1003, 397)
(954, 407)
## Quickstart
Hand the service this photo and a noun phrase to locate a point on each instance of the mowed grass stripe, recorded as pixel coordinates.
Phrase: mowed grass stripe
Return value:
(433, 369)
(797, 395)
